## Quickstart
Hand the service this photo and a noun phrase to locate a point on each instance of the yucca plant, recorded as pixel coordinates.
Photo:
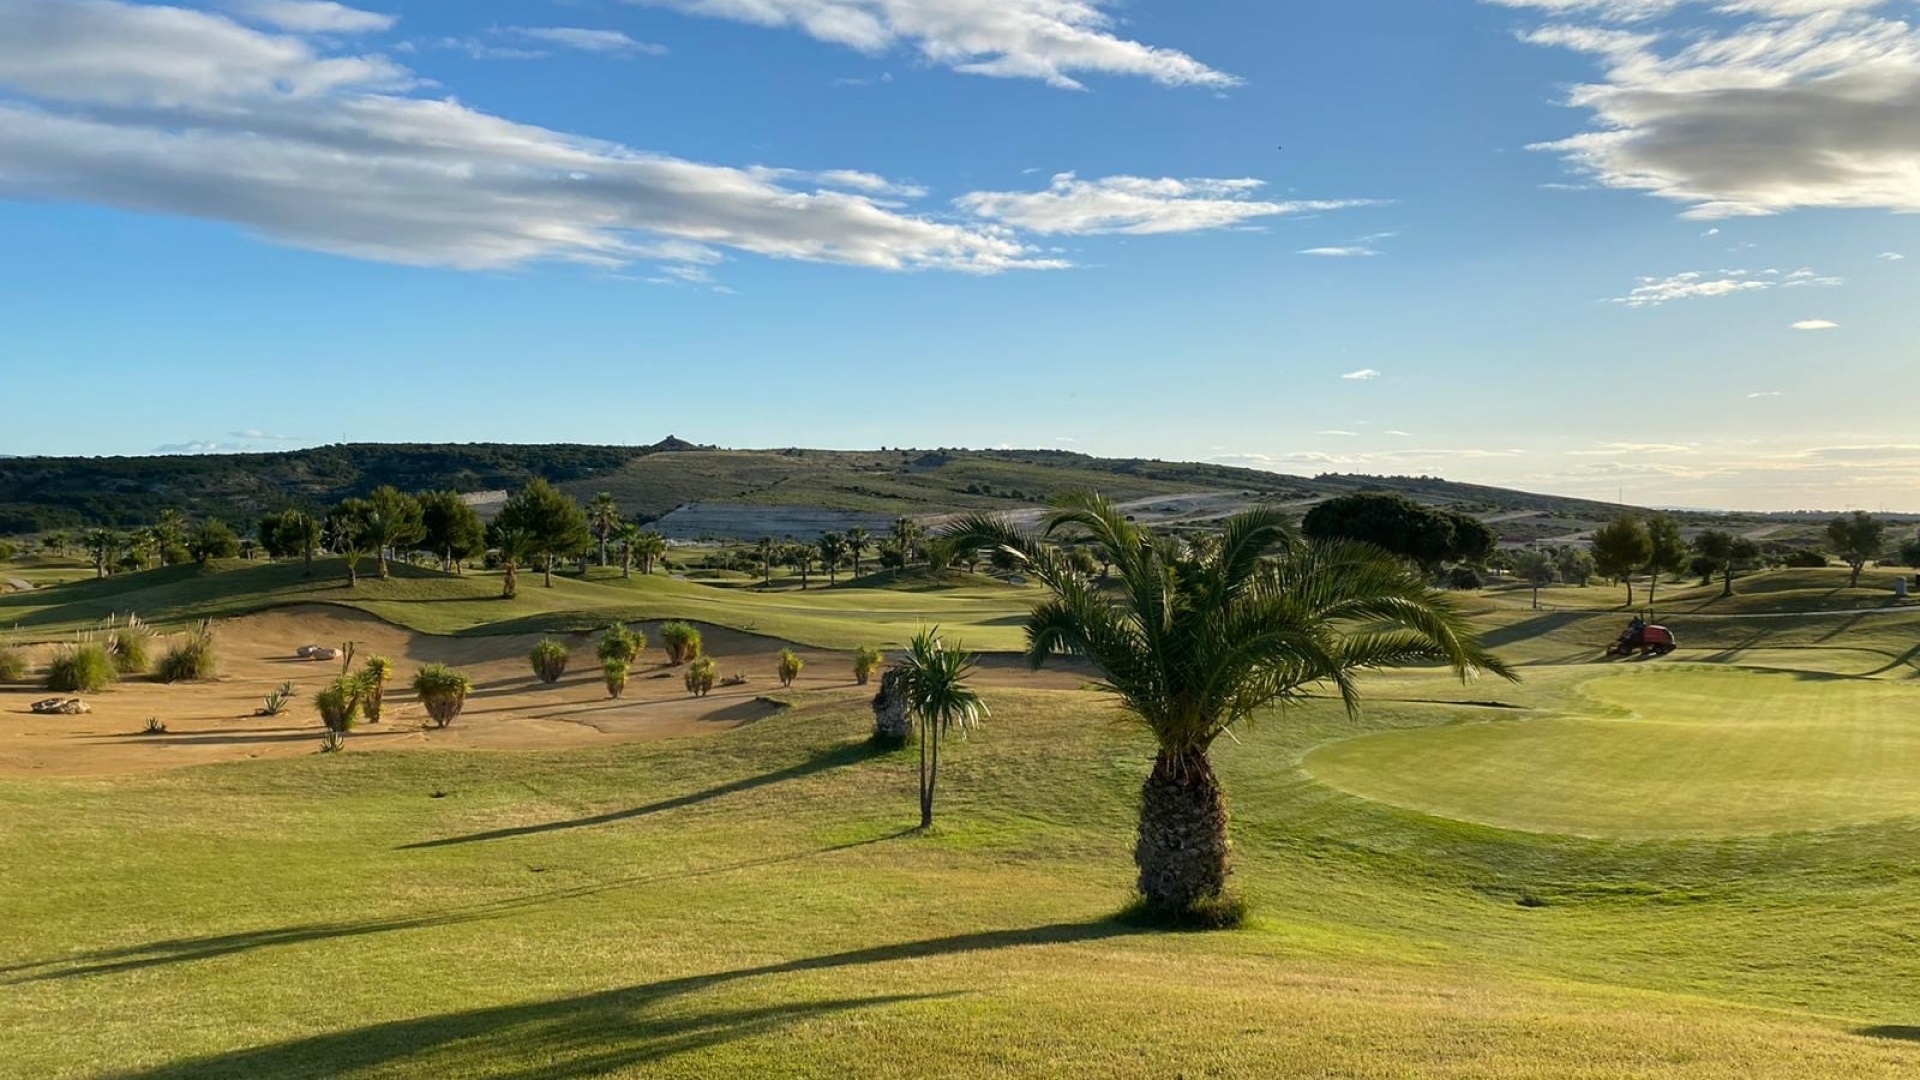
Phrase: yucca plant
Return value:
(700, 676)
(789, 666)
(1197, 639)
(338, 704)
(682, 642)
(82, 667)
(276, 701)
(443, 691)
(191, 658)
(866, 661)
(131, 646)
(621, 643)
(375, 674)
(549, 660)
(615, 674)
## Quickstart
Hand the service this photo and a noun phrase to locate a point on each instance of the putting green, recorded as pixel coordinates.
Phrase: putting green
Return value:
(1659, 753)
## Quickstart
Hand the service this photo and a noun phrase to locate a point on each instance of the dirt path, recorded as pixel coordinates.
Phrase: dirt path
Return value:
(509, 710)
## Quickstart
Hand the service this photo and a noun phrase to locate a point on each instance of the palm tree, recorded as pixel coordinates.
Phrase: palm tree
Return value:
(102, 545)
(628, 534)
(1192, 643)
(858, 541)
(906, 534)
(649, 548)
(766, 549)
(933, 680)
(603, 517)
(800, 557)
(172, 531)
(833, 552)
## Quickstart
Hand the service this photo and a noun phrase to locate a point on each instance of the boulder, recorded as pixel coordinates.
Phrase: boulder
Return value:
(62, 707)
(317, 652)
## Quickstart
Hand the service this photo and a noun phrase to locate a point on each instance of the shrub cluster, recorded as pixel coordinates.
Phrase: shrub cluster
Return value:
(13, 664)
(700, 676)
(789, 666)
(132, 646)
(191, 659)
(682, 642)
(622, 644)
(443, 691)
(866, 661)
(549, 660)
(615, 673)
(83, 667)
(338, 704)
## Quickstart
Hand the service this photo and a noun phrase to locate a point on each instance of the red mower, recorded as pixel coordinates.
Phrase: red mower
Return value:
(1645, 639)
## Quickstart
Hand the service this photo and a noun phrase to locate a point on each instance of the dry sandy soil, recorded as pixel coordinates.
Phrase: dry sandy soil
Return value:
(509, 709)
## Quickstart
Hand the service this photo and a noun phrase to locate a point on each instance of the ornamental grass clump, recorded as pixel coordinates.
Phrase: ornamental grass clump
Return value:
(620, 643)
(84, 667)
(13, 663)
(374, 677)
(615, 673)
(338, 704)
(549, 660)
(682, 642)
(131, 646)
(700, 676)
(190, 659)
(789, 666)
(866, 661)
(443, 691)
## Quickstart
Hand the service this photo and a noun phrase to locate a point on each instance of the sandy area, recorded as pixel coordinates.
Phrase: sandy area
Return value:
(509, 709)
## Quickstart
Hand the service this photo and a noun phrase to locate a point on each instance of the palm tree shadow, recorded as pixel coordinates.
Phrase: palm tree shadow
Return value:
(592, 1034)
(1897, 1032)
(839, 757)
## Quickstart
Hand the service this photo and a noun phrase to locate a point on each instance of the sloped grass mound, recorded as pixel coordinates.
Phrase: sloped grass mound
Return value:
(1659, 753)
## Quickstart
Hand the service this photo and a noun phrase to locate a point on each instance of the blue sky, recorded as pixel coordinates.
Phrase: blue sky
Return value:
(1585, 246)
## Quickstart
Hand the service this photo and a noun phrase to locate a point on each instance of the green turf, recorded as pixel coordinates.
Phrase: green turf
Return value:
(1658, 752)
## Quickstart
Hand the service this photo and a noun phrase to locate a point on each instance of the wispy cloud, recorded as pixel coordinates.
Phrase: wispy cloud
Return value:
(610, 42)
(1891, 256)
(1363, 375)
(1763, 394)
(1816, 324)
(1137, 206)
(1702, 284)
(1341, 252)
(310, 16)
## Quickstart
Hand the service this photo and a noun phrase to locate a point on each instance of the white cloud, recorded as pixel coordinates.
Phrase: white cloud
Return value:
(1757, 394)
(182, 112)
(1339, 434)
(1136, 206)
(258, 435)
(1363, 375)
(1737, 108)
(310, 16)
(1701, 284)
(1050, 40)
(1816, 324)
(1891, 256)
(610, 42)
(1354, 252)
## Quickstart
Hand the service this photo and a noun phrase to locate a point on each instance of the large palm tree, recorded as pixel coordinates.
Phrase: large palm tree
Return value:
(650, 547)
(628, 535)
(1194, 640)
(932, 677)
(603, 517)
(906, 536)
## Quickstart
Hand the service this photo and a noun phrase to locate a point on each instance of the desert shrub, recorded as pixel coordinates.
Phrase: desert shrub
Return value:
(866, 661)
(190, 659)
(154, 726)
(13, 664)
(131, 646)
(549, 660)
(1804, 559)
(700, 676)
(338, 704)
(83, 667)
(332, 742)
(620, 643)
(682, 642)
(443, 691)
(375, 674)
(615, 672)
(789, 666)
(276, 702)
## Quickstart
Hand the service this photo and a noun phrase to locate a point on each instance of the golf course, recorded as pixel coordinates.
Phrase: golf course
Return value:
(1700, 866)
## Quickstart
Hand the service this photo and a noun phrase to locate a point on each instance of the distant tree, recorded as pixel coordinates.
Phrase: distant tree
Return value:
(451, 528)
(553, 525)
(1389, 521)
(514, 547)
(1620, 548)
(56, 542)
(1575, 566)
(348, 532)
(649, 548)
(1910, 553)
(1666, 552)
(1536, 568)
(934, 682)
(171, 528)
(1858, 539)
(102, 546)
(290, 533)
(1473, 540)
(858, 544)
(800, 557)
(603, 518)
(907, 535)
(1804, 559)
(394, 524)
(766, 549)
(213, 539)
(1725, 553)
(626, 538)
(833, 551)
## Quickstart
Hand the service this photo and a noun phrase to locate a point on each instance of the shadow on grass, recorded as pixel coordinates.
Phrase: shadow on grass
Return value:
(851, 754)
(182, 950)
(1896, 1032)
(593, 1034)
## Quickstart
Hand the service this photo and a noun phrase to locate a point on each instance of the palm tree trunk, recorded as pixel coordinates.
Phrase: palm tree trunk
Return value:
(353, 569)
(1182, 850)
(383, 562)
(1727, 589)
(929, 770)
(511, 586)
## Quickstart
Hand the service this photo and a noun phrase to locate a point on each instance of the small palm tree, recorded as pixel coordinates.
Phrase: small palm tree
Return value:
(858, 544)
(603, 517)
(833, 552)
(766, 549)
(628, 537)
(907, 534)
(800, 557)
(1195, 641)
(649, 548)
(933, 680)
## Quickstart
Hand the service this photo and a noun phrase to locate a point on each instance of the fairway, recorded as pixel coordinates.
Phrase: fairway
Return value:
(1658, 752)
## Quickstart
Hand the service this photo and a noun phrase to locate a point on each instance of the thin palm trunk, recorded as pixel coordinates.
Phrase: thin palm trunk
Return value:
(929, 769)
(1182, 850)
(353, 569)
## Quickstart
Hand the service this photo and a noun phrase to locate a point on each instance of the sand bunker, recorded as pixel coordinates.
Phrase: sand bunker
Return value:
(509, 709)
